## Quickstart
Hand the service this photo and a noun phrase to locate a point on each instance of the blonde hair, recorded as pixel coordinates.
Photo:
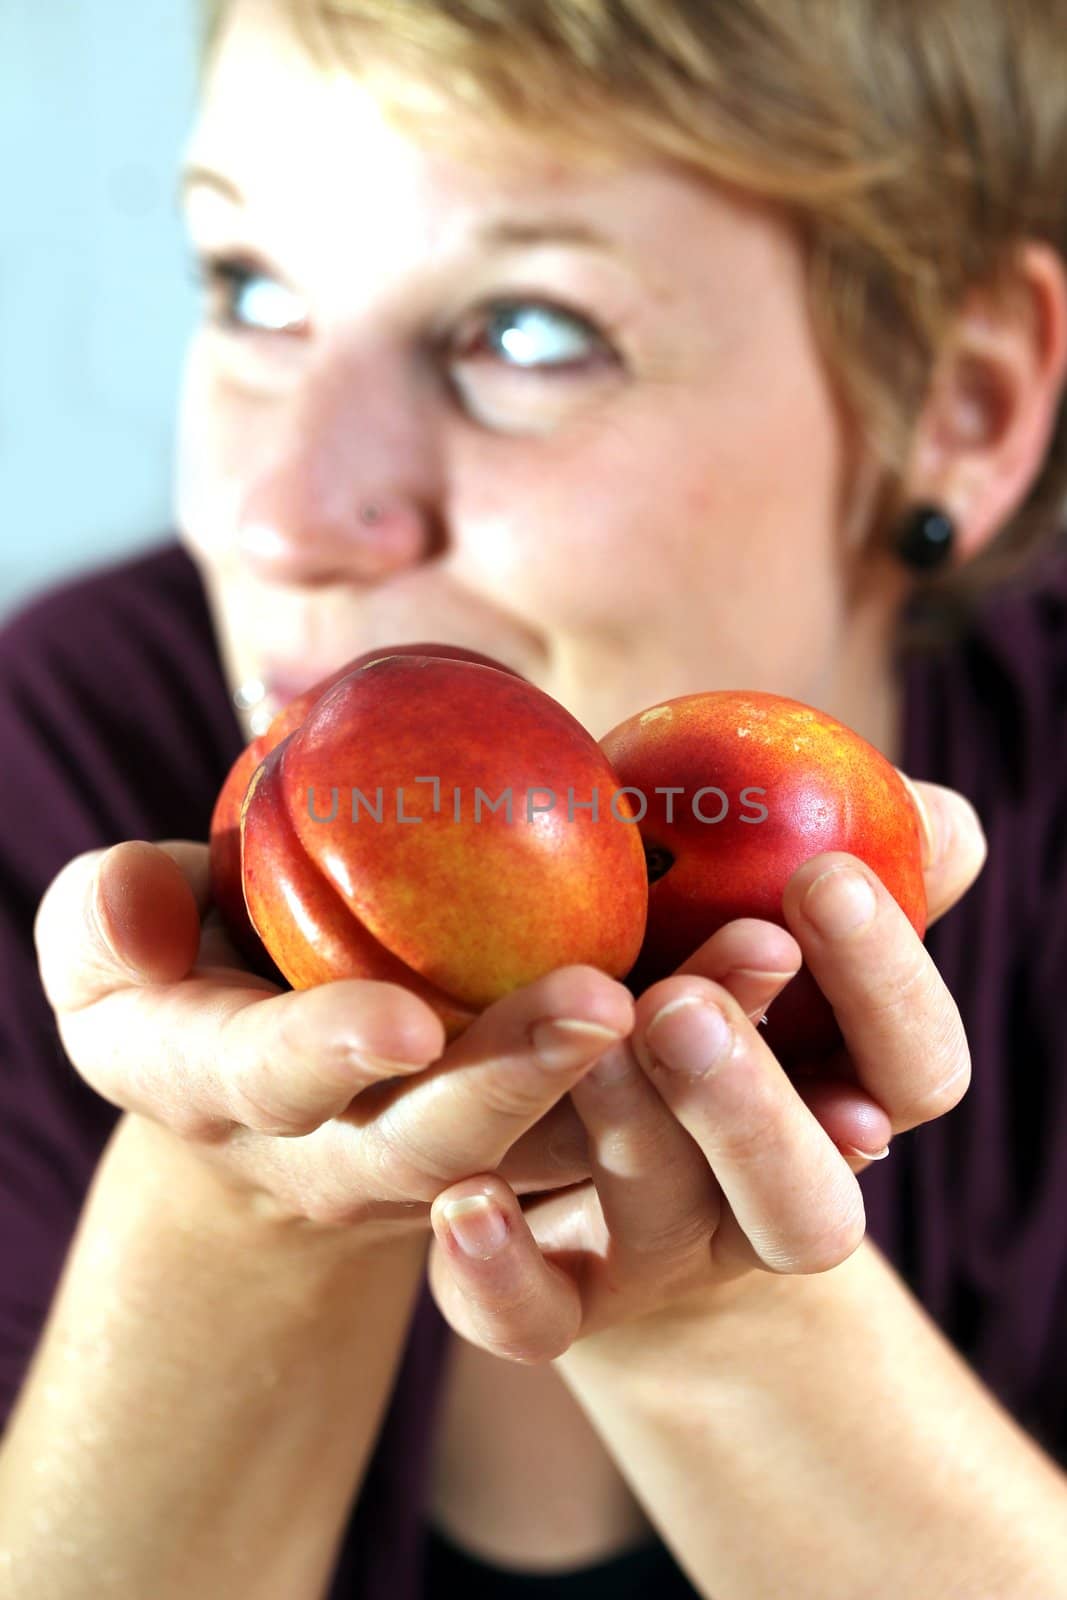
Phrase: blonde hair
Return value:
(915, 144)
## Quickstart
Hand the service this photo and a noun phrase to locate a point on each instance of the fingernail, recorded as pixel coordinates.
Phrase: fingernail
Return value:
(929, 839)
(613, 1067)
(382, 1066)
(966, 819)
(106, 909)
(866, 1155)
(102, 900)
(689, 1035)
(560, 1041)
(839, 902)
(477, 1226)
(775, 982)
(764, 974)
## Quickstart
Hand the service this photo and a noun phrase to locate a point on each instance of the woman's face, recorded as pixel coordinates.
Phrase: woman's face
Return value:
(614, 462)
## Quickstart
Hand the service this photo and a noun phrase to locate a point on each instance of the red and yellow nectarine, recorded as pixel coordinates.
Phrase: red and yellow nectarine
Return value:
(225, 841)
(430, 823)
(763, 784)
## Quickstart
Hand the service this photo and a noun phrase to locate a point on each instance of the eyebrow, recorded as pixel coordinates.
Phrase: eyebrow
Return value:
(497, 234)
(194, 174)
(544, 230)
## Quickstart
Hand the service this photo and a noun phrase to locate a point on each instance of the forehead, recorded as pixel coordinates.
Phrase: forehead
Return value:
(267, 104)
(316, 158)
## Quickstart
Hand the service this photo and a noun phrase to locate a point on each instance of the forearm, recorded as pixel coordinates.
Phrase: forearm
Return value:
(205, 1397)
(818, 1437)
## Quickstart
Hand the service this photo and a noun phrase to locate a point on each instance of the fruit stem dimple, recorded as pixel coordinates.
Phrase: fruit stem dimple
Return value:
(658, 861)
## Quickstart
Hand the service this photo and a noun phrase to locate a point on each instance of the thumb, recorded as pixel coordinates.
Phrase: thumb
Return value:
(115, 917)
(958, 848)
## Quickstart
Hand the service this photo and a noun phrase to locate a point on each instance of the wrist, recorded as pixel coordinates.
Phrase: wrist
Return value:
(740, 1322)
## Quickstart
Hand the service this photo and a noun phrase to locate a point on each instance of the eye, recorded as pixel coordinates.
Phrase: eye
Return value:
(523, 337)
(535, 336)
(244, 298)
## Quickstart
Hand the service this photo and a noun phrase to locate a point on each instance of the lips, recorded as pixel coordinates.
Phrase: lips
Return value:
(283, 683)
(284, 689)
(279, 690)
(280, 683)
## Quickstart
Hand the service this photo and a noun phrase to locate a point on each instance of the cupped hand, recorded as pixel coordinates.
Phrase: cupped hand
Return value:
(708, 1163)
(339, 1105)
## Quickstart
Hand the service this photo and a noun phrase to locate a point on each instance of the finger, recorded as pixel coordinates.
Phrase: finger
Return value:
(209, 1053)
(195, 863)
(111, 918)
(553, 1154)
(954, 844)
(631, 1134)
(858, 1126)
(217, 949)
(751, 958)
(901, 1026)
(659, 1199)
(796, 1203)
(329, 1177)
(505, 1071)
(860, 1129)
(491, 1281)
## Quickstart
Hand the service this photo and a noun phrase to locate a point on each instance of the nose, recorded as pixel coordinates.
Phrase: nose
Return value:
(349, 495)
(372, 540)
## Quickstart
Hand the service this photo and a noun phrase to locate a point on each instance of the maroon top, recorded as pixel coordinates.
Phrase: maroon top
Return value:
(116, 723)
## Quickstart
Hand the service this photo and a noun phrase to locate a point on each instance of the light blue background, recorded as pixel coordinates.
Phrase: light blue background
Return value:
(96, 299)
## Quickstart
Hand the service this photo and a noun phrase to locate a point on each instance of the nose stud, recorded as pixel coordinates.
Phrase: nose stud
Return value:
(298, 539)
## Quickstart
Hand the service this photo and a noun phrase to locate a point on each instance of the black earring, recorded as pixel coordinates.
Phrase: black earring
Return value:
(924, 538)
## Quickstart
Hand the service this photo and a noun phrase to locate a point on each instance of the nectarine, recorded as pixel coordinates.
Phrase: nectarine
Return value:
(225, 842)
(445, 826)
(739, 789)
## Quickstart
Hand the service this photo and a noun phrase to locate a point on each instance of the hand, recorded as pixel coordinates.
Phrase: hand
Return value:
(333, 1106)
(700, 1181)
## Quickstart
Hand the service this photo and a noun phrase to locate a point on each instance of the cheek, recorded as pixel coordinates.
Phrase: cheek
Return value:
(708, 494)
(553, 559)
(567, 533)
(220, 436)
(756, 513)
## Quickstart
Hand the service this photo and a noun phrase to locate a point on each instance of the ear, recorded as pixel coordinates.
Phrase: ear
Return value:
(994, 399)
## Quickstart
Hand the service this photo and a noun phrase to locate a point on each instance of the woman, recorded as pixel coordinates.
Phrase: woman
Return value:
(646, 349)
